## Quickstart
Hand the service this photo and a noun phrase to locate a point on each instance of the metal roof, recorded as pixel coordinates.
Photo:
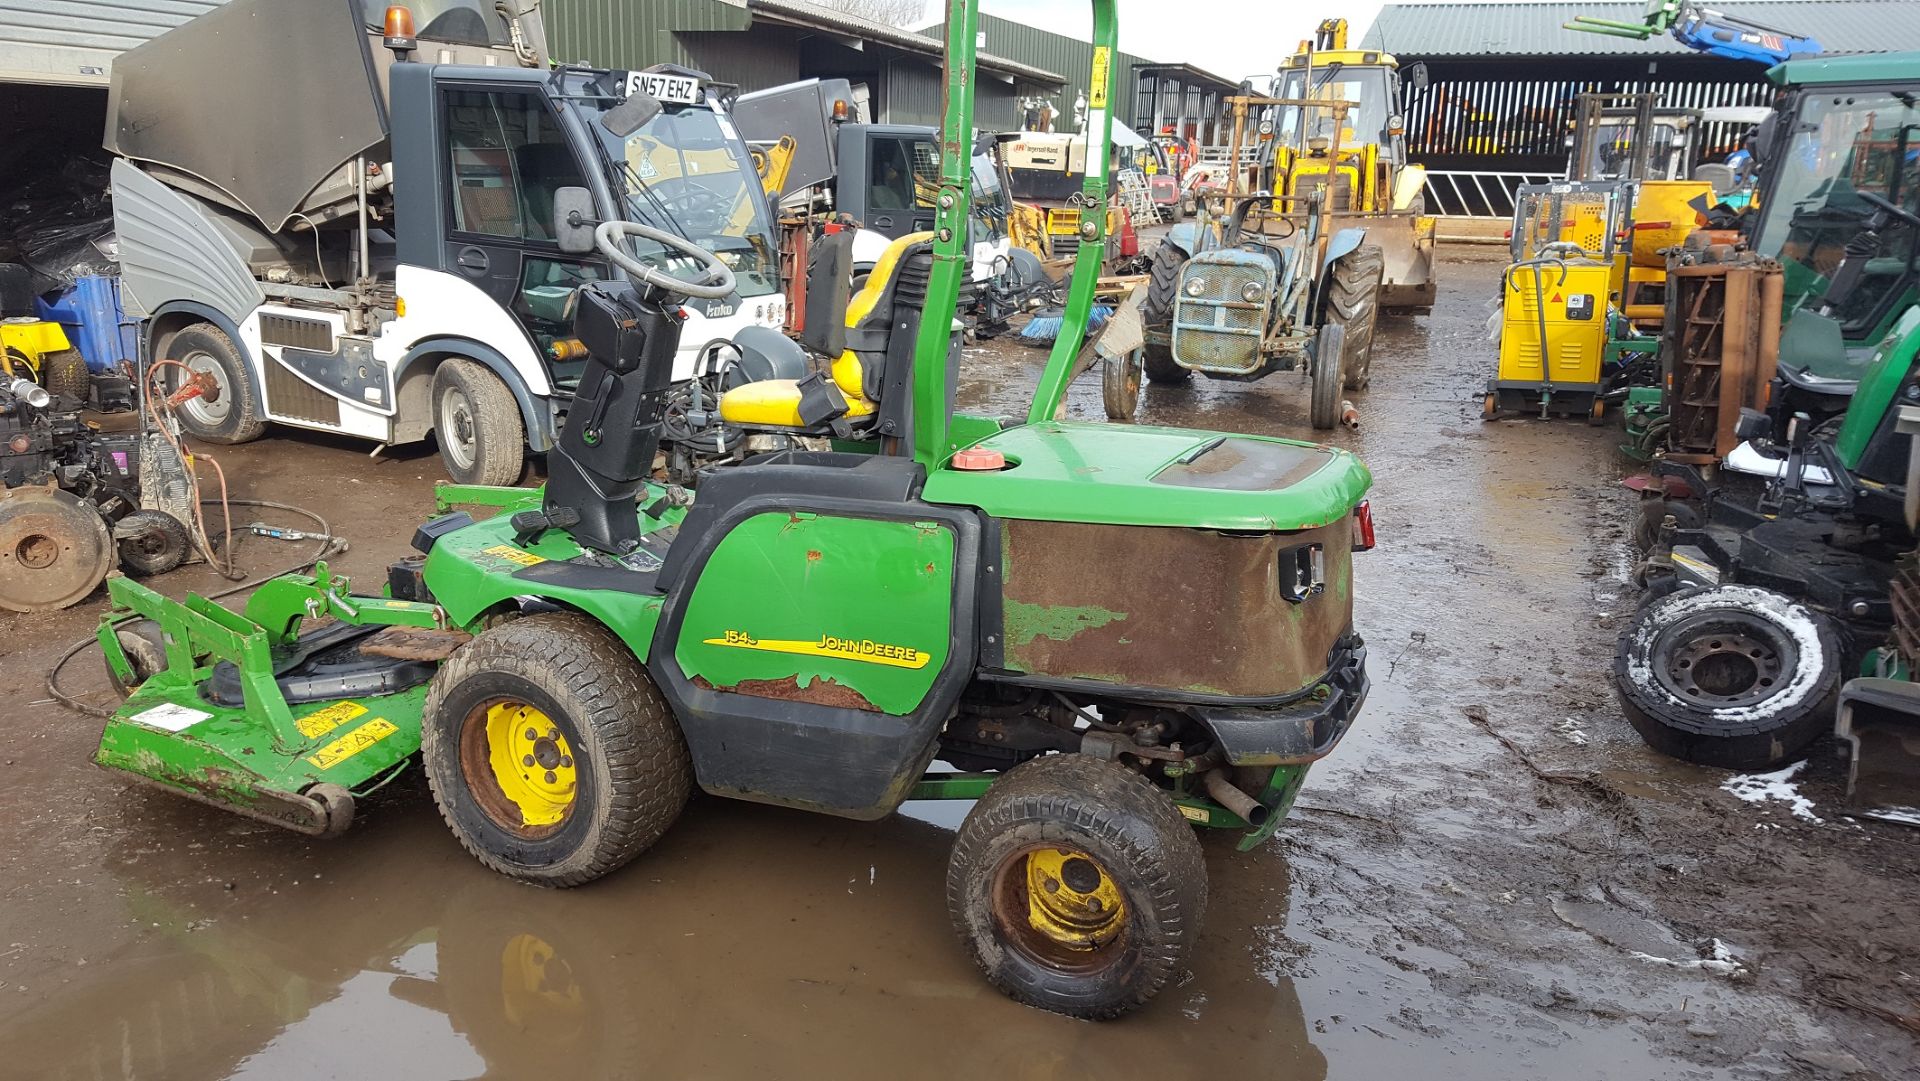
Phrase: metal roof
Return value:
(1200, 75)
(1423, 31)
(801, 13)
(75, 41)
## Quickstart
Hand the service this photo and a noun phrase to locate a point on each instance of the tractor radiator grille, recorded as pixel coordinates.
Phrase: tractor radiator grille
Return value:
(1218, 330)
(1906, 609)
(313, 335)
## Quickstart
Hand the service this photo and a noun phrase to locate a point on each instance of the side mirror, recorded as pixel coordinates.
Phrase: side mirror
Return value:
(1416, 78)
(631, 115)
(1763, 137)
(1753, 426)
(573, 221)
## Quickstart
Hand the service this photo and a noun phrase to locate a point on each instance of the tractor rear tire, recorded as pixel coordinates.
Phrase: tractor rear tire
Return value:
(1163, 284)
(477, 423)
(605, 726)
(1329, 355)
(65, 373)
(232, 414)
(1735, 676)
(1353, 301)
(1111, 834)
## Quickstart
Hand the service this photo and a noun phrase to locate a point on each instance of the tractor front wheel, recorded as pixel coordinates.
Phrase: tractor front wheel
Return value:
(550, 753)
(1329, 354)
(1163, 283)
(1077, 886)
(1353, 301)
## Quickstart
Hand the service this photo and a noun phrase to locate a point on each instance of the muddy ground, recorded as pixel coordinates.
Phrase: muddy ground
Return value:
(1491, 878)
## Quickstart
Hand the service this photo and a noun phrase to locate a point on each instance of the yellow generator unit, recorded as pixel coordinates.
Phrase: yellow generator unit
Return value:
(1663, 215)
(1557, 301)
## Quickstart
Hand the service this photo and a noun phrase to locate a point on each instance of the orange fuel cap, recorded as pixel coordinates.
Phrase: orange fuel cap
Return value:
(974, 459)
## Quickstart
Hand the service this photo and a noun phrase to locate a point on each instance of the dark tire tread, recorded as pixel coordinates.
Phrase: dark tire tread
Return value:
(1156, 310)
(1353, 301)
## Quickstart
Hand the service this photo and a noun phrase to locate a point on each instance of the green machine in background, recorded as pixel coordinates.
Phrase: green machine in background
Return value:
(1104, 634)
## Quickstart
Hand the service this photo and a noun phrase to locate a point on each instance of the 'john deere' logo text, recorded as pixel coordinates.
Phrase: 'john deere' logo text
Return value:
(865, 650)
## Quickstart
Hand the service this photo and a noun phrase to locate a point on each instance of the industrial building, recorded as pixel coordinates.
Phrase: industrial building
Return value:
(1504, 76)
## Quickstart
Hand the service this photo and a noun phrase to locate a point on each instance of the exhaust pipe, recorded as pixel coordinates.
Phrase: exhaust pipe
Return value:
(29, 392)
(1349, 416)
(1226, 795)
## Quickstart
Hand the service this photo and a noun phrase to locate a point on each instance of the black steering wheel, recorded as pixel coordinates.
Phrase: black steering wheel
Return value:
(717, 277)
(1888, 205)
(699, 208)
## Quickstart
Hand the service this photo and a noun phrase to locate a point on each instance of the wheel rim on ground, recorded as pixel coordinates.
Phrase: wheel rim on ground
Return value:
(208, 410)
(1713, 662)
(519, 767)
(456, 427)
(1060, 908)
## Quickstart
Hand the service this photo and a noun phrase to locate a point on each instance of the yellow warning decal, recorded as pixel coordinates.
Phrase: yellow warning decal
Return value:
(865, 650)
(1196, 814)
(353, 743)
(320, 722)
(1097, 92)
(513, 555)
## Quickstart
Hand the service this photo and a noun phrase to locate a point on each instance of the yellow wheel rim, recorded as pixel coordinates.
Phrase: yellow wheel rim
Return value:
(531, 762)
(1071, 900)
(538, 992)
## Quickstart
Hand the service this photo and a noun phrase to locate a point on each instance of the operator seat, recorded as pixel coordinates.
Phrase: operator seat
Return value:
(869, 336)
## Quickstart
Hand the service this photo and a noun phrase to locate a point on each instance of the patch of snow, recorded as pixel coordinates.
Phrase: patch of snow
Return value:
(1778, 785)
(1905, 816)
(1720, 960)
(1570, 730)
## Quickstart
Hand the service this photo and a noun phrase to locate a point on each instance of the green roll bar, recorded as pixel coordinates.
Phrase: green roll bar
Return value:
(931, 378)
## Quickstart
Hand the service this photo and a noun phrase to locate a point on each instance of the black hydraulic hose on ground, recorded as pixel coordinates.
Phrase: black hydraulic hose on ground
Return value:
(329, 545)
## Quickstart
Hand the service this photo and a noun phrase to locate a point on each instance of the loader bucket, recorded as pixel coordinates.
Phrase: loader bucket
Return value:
(1879, 724)
(1406, 240)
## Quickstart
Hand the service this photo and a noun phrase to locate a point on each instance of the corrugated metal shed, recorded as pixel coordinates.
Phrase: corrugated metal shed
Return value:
(1535, 29)
(73, 42)
(625, 34)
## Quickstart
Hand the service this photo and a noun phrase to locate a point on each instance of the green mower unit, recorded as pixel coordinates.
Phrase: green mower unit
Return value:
(1106, 635)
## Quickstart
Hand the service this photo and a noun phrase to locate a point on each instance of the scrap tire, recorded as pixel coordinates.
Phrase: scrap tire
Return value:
(477, 422)
(1137, 837)
(241, 423)
(146, 649)
(1773, 675)
(633, 775)
(1353, 301)
(1120, 386)
(1329, 352)
(1156, 310)
(158, 542)
(65, 373)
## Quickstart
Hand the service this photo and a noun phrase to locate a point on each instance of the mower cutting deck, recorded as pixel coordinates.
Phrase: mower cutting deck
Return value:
(1111, 633)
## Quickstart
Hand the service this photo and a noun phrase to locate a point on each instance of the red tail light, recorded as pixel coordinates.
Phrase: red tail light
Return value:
(1363, 527)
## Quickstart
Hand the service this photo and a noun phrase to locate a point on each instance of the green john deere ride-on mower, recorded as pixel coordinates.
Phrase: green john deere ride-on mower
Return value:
(1104, 634)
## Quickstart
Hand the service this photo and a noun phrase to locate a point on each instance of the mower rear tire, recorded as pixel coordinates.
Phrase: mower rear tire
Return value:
(1156, 310)
(1353, 301)
(1732, 676)
(146, 649)
(477, 423)
(550, 753)
(231, 412)
(65, 373)
(1329, 353)
(1077, 886)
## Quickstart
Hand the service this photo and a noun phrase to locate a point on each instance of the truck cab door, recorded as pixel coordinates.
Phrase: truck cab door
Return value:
(899, 178)
(505, 154)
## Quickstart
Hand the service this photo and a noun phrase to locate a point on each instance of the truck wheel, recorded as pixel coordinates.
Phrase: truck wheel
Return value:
(1077, 886)
(478, 424)
(1329, 349)
(1163, 282)
(230, 412)
(1732, 676)
(65, 373)
(549, 752)
(1353, 301)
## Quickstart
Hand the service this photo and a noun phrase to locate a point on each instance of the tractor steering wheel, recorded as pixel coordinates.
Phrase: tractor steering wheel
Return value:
(1888, 205)
(610, 238)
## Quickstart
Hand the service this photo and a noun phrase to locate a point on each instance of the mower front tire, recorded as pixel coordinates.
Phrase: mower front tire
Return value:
(1732, 676)
(1077, 886)
(550, 753)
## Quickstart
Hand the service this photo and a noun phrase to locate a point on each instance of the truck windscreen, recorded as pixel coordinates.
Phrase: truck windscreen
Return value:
(687, 171)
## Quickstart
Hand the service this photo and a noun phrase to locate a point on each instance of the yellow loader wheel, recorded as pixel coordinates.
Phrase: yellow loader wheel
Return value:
(550, 753)
(1077, 886)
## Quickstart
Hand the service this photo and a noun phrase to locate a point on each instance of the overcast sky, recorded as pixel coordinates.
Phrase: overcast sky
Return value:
(1231, 38)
